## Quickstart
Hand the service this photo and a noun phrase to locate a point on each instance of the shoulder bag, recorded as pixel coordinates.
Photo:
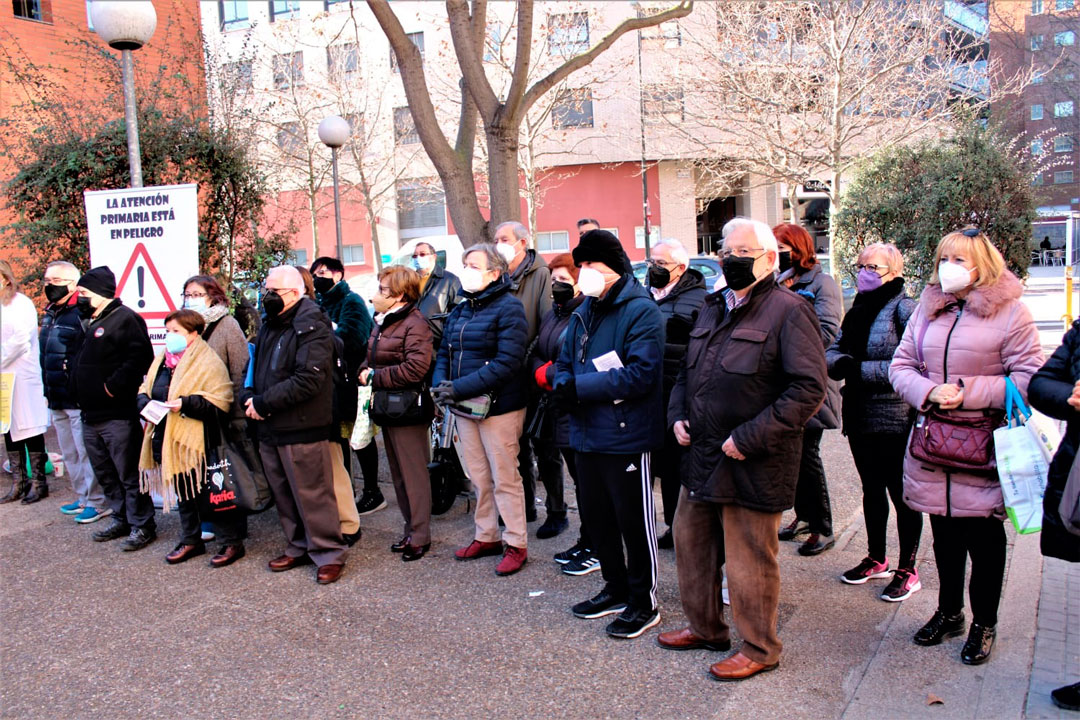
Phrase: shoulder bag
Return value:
(398, 407)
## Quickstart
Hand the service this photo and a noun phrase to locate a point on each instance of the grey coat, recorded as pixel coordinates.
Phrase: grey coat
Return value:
(870, 404)
(824, 294)
(531, 284)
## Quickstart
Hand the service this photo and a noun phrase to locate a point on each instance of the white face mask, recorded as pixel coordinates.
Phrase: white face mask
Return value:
(423, 263)
(591, 282)
(507, 251)
(472, 280)
(953, 277)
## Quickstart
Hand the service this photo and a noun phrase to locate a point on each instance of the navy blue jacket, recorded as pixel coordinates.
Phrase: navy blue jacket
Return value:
(59, 341)
(483, 348)
(627, 321)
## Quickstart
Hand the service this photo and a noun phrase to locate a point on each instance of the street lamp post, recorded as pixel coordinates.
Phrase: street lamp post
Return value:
(126, 26)
(334, 132)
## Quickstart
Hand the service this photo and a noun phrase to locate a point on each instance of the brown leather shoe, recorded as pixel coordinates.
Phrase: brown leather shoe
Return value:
(685, 639)
(738, 667)
(227, 556)
(288, 562)
(184, 552)
(329, 573)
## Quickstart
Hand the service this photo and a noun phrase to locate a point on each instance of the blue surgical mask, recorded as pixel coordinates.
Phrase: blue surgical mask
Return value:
(175, 343)
(197, 304)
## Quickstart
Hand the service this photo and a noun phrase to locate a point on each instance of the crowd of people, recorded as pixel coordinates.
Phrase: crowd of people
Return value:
(722, 394)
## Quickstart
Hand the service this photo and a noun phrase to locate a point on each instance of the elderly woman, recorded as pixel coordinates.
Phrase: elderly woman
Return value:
(968, 336)
(877, 421)
(801, 272)
(478, 376)
(191, 380)
(29, 410)
(399, 359)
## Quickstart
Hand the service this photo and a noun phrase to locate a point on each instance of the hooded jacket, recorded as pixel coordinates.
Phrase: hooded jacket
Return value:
(975, 343)
(115, 355)
(619, 411)
(59, 341)
(756, 374)
(483, 348)
(531, 284)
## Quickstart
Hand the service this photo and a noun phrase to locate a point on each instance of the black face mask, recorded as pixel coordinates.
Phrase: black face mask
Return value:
(84, 307)
(659, 277)
(561, 292)
(272, 303)
(785, 260)
(323, 285)
(739, 271)
(56, 293)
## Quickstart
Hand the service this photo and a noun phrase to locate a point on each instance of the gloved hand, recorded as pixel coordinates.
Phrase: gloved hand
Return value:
(443, 393)
(564, 398)
(541, 376)
(843, 367)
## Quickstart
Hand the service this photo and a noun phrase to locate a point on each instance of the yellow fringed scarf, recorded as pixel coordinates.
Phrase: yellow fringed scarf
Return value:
(183, 452)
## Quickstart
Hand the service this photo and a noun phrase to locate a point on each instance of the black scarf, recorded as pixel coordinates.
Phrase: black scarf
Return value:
(855, 330)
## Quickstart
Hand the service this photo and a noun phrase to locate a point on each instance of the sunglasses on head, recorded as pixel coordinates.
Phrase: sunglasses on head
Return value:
(971, 232)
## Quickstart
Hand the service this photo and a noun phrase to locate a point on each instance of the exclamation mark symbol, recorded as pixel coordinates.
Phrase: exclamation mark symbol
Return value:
(141, 273)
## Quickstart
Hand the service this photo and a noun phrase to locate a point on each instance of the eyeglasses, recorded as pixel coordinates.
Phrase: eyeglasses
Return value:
(872, 268)
(192, 296)
(663, 263)
(742, 252)
(422, 254)
(385, 291)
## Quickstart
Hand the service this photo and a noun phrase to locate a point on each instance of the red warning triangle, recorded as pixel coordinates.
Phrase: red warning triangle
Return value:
(140, 249)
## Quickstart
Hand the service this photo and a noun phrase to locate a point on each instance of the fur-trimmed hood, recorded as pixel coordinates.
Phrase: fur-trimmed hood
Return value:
(981, 301)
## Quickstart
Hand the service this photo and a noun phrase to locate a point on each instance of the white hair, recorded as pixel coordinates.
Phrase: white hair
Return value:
(520, 231)
(762, 233)
(678, 251)
(290, 276)
(70, 271)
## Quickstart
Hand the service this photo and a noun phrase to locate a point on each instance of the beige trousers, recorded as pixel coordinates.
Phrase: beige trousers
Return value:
(343, 491)
(490, 449)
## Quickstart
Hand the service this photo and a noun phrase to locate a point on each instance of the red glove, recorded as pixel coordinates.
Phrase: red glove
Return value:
(541, 376)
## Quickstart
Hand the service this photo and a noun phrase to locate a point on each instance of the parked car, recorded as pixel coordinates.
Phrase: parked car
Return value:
(709, 267)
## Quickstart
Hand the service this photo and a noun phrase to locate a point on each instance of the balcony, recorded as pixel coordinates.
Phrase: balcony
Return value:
(970, 18)
(971, 78)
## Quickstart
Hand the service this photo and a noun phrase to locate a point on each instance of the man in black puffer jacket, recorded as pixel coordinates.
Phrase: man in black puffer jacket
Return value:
(679, 291)
(60, 339)
(291, 399)
(115, 355)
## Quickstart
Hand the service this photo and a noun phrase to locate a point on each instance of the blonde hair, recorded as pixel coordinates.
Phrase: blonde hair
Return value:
(10, 285)
(894, 259)
(978, 249)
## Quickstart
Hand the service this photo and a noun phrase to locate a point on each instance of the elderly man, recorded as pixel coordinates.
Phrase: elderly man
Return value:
(754, 374)
(679, 291)
(291, 401)
(60, 339)
(439, 289)
(114, 357)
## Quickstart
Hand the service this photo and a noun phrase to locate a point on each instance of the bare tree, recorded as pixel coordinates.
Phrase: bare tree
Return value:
(502, 118)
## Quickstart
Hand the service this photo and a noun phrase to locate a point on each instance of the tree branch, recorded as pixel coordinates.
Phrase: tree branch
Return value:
(522, 60)
(470, 56)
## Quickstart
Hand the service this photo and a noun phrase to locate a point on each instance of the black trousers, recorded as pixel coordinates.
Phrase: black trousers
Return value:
(668, 467)
(113, 447)
(811, 492)
(230, 527)
(35, 444)
(983, 538)
(369, 464)
(549, 466)
(879, 458)
(570, 458)
(616, 497)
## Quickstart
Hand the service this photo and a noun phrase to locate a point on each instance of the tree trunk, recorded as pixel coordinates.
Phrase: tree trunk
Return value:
(314, 224)
(792, 203)
(374, 227)
(503, 175)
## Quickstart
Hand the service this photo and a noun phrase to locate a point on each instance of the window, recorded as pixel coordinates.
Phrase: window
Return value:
(573, 109)
(89, 20)
(555, 241)
(330, 3)
(1066, 76)
(233, 14)
(356, 123)
(352, 254)
(290, 138)
(1036, 7)
(1037, 111)
(1065, 39)
(283, 9)
(1038, 77)
(421, 210)
(568, 33)
(1037, 42)
(639, 236)
(1037, 146)
(1063, 5)
(1063, 143)
(342, 59)
(236, 76)
(662, 104)
(417, 40)
(298, 256)
(40, 10)
(493, 42)
(288, 70)
(1037, 180)
(664, 35)
(404, 128)
(1063, 177)
(1063, 109)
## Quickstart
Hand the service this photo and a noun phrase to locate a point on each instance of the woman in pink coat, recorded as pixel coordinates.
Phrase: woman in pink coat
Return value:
(974, 332)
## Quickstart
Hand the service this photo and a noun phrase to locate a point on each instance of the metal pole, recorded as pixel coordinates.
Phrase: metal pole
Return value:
(131, 117)
(1070, 238)
(337, 207)
(644, 169)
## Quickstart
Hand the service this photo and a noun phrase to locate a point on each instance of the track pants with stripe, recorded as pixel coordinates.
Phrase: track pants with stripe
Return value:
(617, 504)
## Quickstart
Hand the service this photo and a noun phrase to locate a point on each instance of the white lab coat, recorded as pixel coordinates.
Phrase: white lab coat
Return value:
(19, 355)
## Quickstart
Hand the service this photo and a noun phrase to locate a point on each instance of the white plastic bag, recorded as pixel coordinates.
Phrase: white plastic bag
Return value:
(363, 429)
(1022, 465)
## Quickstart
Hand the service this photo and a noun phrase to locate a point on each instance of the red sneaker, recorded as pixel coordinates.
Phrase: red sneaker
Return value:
(512, 560)
(477, 549)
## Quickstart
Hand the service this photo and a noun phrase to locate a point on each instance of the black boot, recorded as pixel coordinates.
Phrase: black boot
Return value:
(979, 644)
(40, 489)
(19, 484)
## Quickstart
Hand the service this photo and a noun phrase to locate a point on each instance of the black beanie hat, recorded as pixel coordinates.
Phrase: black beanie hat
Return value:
(602, 246)
(99, 280)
